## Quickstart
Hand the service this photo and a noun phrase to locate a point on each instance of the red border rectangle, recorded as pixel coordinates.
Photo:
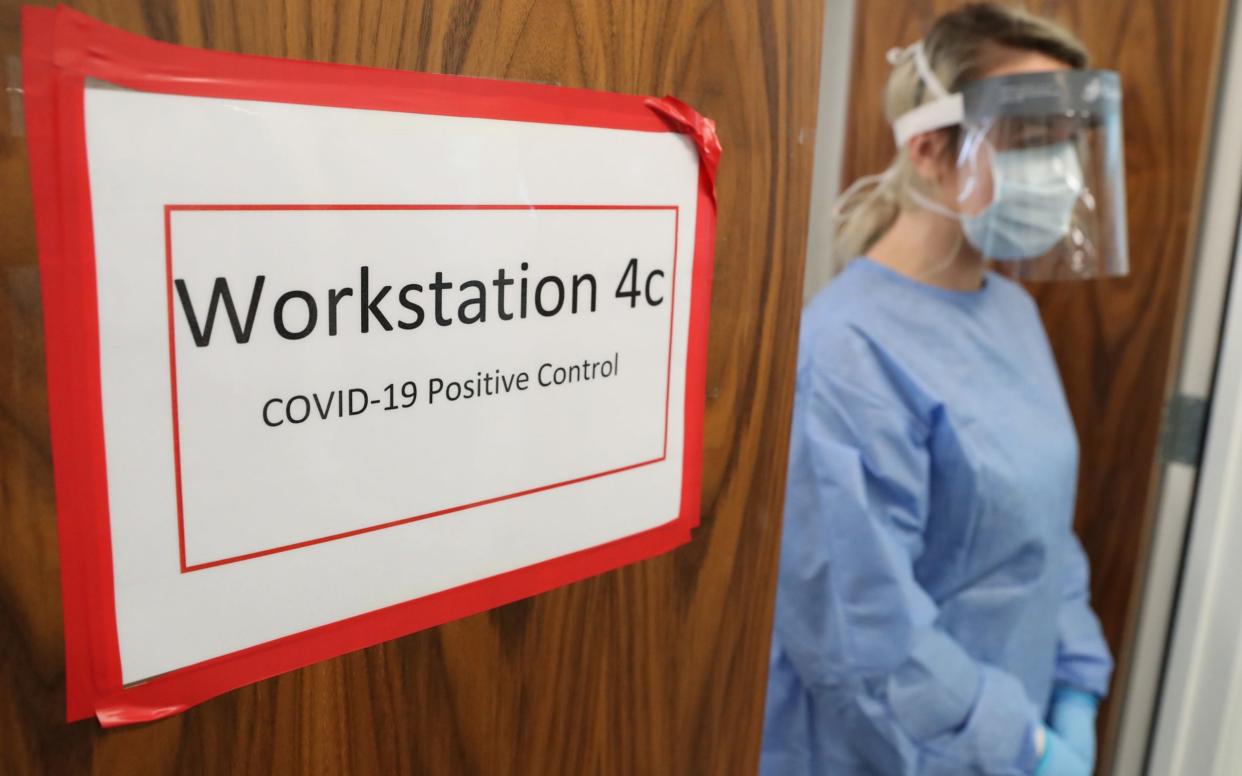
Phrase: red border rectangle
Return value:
(60, 50)
(172, 366)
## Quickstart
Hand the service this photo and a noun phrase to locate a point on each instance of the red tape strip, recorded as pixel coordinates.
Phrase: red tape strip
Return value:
(701, 129)
(62, 48)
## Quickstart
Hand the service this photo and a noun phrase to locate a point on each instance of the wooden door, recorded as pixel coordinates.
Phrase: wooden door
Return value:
(658, 668)
(1113, 339)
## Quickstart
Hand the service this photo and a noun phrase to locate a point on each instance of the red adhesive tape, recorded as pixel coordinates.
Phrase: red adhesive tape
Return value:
(61, 49)
(701, 129)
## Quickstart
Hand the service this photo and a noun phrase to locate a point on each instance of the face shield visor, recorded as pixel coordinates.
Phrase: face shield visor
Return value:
(1040, 184)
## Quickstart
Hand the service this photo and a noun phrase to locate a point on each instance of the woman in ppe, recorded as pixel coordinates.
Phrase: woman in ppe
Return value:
(932, 614)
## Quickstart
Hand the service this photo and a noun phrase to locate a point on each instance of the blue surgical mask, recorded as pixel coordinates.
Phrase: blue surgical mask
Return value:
(1034, 191)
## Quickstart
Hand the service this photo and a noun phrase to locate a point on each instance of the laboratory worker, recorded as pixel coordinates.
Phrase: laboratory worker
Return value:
(932, 615)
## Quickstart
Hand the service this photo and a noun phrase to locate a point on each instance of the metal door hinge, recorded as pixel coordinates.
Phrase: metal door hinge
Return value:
(1183, 430)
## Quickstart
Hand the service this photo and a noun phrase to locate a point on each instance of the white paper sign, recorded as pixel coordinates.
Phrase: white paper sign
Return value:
(350, 358)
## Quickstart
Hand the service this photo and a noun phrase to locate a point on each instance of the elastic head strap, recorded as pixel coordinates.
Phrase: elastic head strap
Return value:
(945, 111)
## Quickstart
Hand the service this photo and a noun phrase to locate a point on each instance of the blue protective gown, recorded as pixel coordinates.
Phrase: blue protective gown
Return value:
(931, 589)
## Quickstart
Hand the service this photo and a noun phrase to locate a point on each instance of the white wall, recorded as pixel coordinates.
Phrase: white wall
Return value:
(834, 79)
(1202, 693)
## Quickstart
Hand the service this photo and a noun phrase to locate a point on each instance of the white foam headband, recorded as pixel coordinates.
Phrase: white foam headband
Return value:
(945, 111)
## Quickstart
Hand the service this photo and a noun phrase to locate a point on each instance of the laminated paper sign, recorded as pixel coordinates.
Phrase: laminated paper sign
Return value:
(336, 354)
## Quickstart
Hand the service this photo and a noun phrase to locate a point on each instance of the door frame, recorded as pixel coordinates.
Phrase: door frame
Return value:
(1186, 625)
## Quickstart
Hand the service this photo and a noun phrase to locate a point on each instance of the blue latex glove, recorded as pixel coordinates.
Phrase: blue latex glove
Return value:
(1072, 717)
(1059, 759)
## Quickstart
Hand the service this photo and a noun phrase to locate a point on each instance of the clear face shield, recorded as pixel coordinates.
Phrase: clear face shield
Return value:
(1040, 185)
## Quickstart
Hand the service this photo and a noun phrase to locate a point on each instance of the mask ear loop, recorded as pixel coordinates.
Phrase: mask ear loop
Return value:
(927, 203)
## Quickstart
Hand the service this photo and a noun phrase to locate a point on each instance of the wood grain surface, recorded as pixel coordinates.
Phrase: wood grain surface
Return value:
(1113, 339)
(658, 668)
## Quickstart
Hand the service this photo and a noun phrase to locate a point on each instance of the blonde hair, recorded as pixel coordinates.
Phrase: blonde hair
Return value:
(960, 47)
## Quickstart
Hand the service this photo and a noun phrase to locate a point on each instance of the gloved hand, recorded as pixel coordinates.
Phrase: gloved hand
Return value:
(1072, 717)
(1059, 759)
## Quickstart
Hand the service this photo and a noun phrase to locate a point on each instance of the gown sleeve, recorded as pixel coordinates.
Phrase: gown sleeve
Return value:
(856, 625)
(1083, 658)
